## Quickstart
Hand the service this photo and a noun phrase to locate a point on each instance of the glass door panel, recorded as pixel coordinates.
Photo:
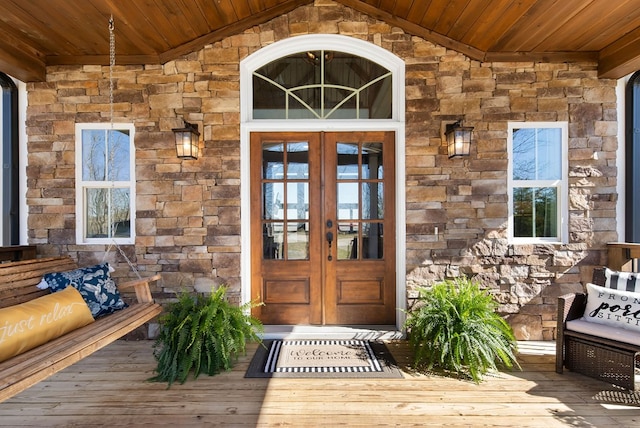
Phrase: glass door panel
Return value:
(285, 196)
(359, 199)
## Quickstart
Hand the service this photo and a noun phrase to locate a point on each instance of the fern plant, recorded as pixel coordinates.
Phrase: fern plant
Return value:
(455, 328)
(202, 334)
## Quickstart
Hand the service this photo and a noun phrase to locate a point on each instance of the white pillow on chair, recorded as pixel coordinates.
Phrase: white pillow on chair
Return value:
(613, 307)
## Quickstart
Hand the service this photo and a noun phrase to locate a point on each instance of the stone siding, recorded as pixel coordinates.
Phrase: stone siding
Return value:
(188, 212)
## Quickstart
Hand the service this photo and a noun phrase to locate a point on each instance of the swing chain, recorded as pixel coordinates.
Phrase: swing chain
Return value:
(133, 268)
(112, 63)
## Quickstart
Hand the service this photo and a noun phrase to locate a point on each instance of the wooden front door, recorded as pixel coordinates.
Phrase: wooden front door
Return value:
(323, 227)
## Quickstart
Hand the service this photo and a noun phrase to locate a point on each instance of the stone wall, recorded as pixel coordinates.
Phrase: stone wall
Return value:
(188, 212)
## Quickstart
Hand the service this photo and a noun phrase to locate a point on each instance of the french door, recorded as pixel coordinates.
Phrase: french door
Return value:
(323, 227)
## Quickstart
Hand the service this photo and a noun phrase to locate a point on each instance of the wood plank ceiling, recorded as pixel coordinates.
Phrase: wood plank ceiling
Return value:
(38, 33)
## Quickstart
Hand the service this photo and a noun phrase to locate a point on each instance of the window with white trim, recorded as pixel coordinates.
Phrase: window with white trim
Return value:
(322, 84)
(105, 183)
(537, 182)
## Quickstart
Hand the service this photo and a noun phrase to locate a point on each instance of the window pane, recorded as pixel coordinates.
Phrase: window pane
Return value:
(298, 160)
(347, 240)
(523, 212)
(298, 241)
(549, 154)
(535, 213)
(118, 155)
(347, 201)
(297, 201)
(342, 101)
(375, 100)
(537, 154)
(372, 241)
(306, 99)
(97, 210)
(347, 161)
(273, 161)
(93, 155)
(272, 238)
(273, 194)
(105, 155)
(372, 161)
(372, 201)
(269, 101)
(108, 213)
(120, 210)
(298, 110)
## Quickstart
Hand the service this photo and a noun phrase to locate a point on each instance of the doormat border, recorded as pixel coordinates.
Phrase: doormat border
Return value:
(388, 365)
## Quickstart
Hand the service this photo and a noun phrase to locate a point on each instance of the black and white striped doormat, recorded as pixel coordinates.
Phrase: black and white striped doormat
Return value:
(323, 358)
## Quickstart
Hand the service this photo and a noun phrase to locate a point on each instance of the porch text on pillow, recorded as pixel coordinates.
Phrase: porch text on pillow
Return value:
(613, 307)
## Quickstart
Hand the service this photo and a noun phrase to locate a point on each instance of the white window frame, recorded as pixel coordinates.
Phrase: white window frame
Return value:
(81, 185)
(562, 185)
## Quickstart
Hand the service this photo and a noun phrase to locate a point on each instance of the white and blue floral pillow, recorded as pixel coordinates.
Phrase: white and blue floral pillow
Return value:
(95, 285)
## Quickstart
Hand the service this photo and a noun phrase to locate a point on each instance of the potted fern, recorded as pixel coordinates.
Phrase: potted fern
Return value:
(201, 333)
(455, 328)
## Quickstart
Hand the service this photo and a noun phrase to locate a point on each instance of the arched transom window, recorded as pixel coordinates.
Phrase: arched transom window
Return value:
(322, 84)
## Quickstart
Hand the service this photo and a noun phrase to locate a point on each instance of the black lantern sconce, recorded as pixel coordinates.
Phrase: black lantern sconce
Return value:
(458, 139)
(187, 140)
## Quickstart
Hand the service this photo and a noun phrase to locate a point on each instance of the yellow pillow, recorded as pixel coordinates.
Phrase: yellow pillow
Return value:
(27, 325)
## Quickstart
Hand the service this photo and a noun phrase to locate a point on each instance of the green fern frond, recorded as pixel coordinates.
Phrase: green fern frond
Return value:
(455, 328)
(202, 334)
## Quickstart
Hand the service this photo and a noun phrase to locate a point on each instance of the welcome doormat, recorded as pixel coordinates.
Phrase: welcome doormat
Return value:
(323, 358)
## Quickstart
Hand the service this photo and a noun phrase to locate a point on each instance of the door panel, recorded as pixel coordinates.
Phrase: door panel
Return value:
(285, 248)
(360, 281)
(322, 224)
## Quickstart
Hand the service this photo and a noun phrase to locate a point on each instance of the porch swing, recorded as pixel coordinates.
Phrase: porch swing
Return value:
(67, 335)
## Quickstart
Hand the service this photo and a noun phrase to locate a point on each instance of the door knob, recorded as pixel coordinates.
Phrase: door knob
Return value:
(329, 240)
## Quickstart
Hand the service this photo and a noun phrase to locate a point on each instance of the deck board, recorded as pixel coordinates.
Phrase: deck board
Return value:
(110, 388)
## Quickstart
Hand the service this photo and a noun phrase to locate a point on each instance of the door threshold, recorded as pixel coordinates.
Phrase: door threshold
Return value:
(362, 332)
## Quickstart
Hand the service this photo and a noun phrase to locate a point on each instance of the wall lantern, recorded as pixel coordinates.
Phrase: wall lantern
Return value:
(458, 139)
(187, 139)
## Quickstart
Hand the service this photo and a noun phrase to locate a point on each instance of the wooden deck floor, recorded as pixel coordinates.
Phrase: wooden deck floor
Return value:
(109, 388)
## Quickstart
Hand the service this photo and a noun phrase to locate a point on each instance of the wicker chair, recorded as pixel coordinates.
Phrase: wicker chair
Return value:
(604, 359)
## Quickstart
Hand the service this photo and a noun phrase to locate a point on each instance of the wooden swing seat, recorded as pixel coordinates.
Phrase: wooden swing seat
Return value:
(18, 282)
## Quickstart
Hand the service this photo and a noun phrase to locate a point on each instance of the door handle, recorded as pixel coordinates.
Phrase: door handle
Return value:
(330, 241)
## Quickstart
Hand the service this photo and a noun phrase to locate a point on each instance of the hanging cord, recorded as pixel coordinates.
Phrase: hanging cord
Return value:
(112, 63)
(133, 268)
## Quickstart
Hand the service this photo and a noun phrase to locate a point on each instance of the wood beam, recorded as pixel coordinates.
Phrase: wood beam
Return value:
(232, 29)
(541, 57)
(621, 57)
(26, 69)
(102, 59)
(21, 60)
(618, 68)
(415, 29)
